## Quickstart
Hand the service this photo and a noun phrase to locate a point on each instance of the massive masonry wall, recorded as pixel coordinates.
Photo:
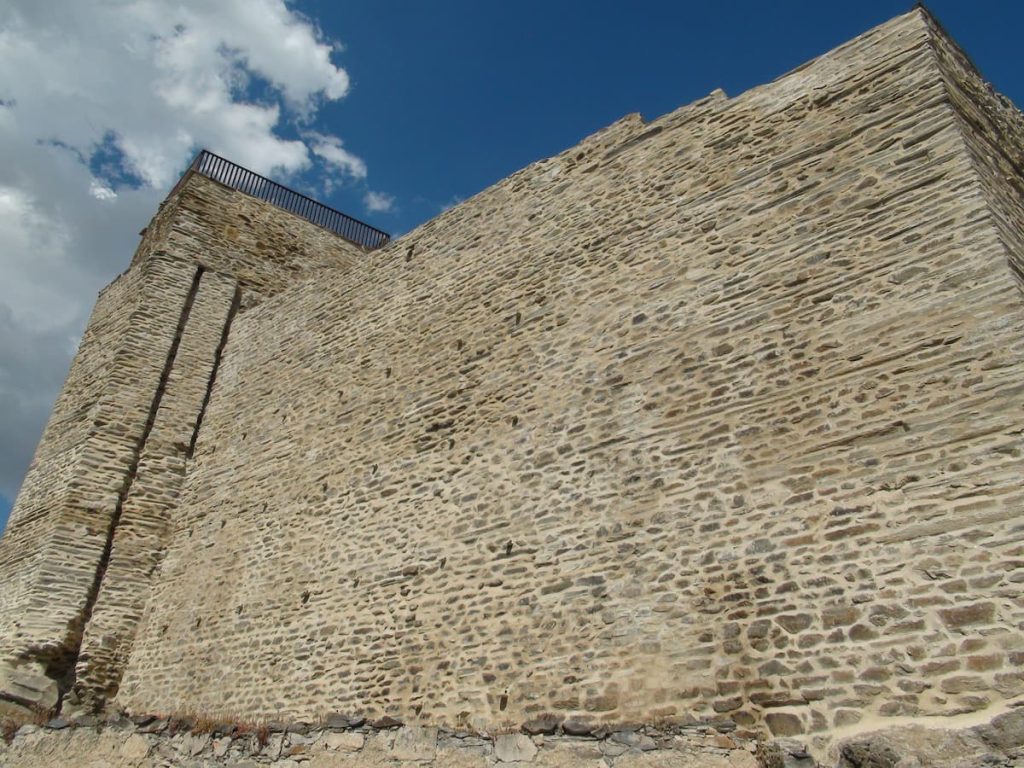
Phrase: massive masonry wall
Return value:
(258, 250)
(48, 483)
(714, 416)
(114, 451)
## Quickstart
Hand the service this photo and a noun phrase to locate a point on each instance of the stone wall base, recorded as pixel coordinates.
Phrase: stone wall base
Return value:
(150, 742)
(127, 744)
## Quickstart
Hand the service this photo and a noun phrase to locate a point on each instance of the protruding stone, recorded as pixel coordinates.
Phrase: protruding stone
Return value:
(544, 724)
(868, 754)
(727, 705)
(576, 727)
(1005, 732)
(514, 748)
(784, 724)
(155, 725)
(28, 685)
(339, 722)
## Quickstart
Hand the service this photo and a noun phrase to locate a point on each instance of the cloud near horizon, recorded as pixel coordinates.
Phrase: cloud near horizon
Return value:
(379, 202)
(102, 104)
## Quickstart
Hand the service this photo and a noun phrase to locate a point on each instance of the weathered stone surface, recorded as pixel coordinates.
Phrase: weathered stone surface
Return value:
(28, 685)
(961, 616)
(221, 746)
(577, 727)
(1005, 732)
(121, 748)
(784, 724)
(718, 413)
(136, 747)
(634, 740)
(345, 742)
(996, 743)
(414, 743)
(545, 724)
(868, 754)
(514, 748)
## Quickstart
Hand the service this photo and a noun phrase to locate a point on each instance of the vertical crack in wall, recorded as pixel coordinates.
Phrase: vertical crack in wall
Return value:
(64, 671)
(236, 301)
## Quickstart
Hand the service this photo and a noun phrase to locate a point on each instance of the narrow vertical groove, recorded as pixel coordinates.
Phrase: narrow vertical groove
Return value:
(236, 300)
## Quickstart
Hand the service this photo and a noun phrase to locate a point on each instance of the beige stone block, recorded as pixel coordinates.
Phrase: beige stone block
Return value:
(415, 743)
(136, 747)
(28, 684)
(514, 748)
(343, 742)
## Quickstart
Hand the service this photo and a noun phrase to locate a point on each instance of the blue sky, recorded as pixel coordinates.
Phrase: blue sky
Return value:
(464, 93)
(396, 111)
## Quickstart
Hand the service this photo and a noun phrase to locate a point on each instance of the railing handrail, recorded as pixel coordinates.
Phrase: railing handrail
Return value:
(233, 175)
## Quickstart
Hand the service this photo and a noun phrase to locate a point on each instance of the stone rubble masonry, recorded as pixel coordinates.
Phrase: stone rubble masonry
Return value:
(159, 742)
(115, 448)
(144, 741)
(714, 416)
(141, 531)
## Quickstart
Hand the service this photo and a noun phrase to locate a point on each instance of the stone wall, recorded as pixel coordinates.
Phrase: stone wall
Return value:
(75, 520)
(262, 246)
(150, 501)
(715, 416)
(114, 451)
(709, 419)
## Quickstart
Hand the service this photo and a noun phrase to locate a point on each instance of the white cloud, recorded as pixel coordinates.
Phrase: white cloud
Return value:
(101, 191)
(96, 93)
(379, 202)
(330, 149)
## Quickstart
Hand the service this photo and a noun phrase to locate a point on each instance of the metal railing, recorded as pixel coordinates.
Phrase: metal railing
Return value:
(235, 176)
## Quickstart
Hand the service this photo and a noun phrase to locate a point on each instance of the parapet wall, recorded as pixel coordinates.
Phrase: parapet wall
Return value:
(715, 416)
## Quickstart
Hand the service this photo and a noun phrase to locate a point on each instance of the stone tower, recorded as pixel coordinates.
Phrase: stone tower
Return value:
(713, 417)
(114, 454)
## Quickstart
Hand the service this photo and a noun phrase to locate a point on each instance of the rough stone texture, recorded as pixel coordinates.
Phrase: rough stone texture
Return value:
(121, 747)
(514, 748)
(115, 447)
(999, 744)
(717, 416)
(140, 534)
